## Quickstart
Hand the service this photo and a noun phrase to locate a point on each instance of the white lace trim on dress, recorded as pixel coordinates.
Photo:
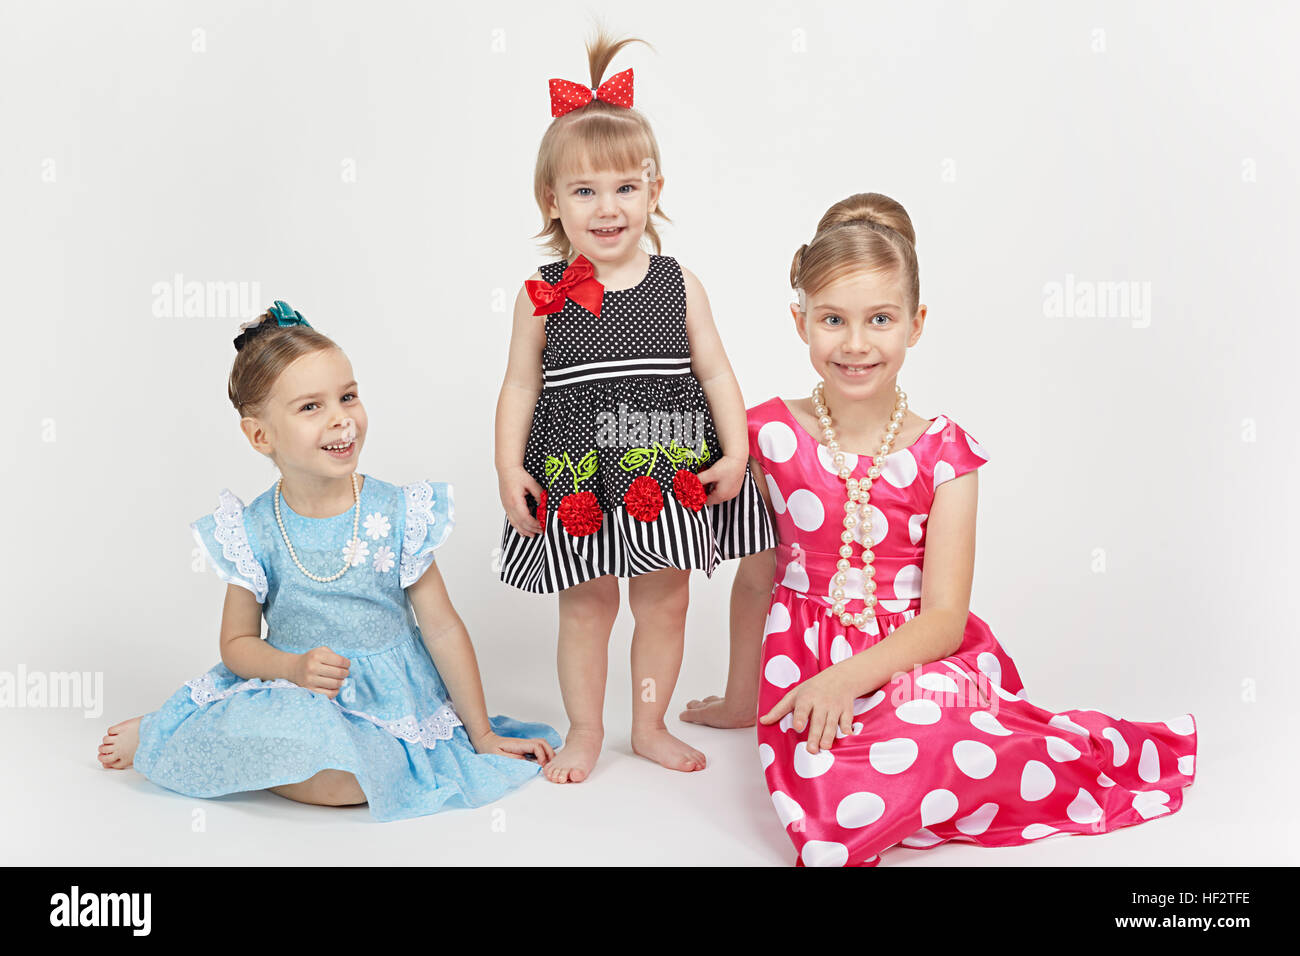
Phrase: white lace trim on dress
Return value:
(419, 519)
(440, 725)
(230, 534)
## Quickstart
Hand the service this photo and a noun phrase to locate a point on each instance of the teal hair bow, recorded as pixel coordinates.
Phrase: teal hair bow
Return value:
(283, 314)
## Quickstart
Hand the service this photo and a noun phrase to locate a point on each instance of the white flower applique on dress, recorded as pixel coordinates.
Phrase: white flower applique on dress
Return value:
(384, 559)
(356, 551)
(377, 526)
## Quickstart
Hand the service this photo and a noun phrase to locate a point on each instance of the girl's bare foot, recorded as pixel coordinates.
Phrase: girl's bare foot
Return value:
(574, 761)
(715, 711)
(118, 748)
(657, 744)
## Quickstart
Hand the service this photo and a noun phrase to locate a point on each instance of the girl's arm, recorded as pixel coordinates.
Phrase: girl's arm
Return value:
(824, 702)
(519, 391)
(453, 655)
(751, 596)
(710, 365)
(242, 647)
(248, 656)
(939, 627)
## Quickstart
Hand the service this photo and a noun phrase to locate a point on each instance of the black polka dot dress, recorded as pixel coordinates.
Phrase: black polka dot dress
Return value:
(620, 431)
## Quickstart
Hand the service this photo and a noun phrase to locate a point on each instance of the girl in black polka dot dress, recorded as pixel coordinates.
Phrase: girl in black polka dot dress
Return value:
(621, 437)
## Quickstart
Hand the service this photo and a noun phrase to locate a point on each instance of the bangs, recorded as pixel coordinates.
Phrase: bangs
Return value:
(602, 144)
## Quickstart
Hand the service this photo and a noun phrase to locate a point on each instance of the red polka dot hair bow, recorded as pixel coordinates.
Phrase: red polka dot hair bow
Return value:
(566, 95)
(578, 283)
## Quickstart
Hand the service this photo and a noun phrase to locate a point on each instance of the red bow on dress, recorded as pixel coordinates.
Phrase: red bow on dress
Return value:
(566, 95)
(578, 283)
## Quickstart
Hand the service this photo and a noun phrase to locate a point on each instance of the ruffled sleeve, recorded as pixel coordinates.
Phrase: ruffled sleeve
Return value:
(224, 541)
(430, 514)
(955, 452)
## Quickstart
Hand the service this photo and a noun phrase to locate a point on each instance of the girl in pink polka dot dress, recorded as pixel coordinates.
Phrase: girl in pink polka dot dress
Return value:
(888, 714)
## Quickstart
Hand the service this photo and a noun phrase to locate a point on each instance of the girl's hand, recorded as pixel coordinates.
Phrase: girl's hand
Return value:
(516, 747)
(822, 703)
(515, 483)
(320, 670)
(727, 475)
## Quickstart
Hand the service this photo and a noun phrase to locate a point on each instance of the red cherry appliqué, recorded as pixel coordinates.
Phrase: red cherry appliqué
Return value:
(643, 499)
(580, 513)
(688, 489)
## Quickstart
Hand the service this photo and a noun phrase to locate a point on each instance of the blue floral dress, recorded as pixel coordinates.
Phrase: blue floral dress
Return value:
(391, 724)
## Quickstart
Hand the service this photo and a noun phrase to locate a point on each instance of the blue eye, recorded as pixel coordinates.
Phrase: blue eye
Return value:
(628, 186)
(882, 315)
(307, 406)
(838, 320)
(582, 189)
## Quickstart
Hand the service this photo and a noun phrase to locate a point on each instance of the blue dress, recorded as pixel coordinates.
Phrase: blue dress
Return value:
(391, 723)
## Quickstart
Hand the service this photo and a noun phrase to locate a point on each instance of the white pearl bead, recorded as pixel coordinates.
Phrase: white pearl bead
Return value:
(838, 594)
(846, 537)
(874, 471)
(846, 551)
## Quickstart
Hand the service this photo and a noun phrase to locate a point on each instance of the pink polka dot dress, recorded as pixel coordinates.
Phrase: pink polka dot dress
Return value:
(952, 750)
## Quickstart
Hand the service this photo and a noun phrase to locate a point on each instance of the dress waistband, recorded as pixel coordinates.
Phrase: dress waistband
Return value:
(619, 368)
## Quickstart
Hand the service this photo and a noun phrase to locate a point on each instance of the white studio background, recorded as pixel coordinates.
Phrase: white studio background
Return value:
(372, 165)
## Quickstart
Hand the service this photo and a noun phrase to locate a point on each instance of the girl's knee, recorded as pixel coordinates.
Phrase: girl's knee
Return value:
(660, 594)
(595, 600)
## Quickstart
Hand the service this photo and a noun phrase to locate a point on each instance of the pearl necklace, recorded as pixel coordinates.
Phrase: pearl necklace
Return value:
(347, 561)
(855, 507)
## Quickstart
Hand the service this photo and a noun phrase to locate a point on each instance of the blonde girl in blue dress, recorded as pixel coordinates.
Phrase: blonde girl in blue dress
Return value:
(366, 688)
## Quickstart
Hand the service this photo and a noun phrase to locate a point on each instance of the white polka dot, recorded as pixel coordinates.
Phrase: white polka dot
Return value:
(778, 619)
(824, 853)
(1083, 808)
(806, 510)
(938, 425)
(810, 637)
(974, 759)
(976, 823)
(1104, 780)
(921, 839)
(864, 704)
(766, 755)
(919, 711)
(787, 808)
(938, 683)
(776, 440)
(976, 447)
(1118, 744)
(938, 806)
(1065, 723)
(1187, 765)
(781, 671)
(986, 722)
(892, 756)
(796, 578)
(1037, 830)
(809, 765)
(778, 499)
(900, 469)
(859, 810)
(990, 666)
(1061, 750)
(1036, 781)
(907, 582)
(1182, 725)
(1150, 803)
(841, 650)
(828, 462)
(1149, 762)
(943, 472)
(915, 529)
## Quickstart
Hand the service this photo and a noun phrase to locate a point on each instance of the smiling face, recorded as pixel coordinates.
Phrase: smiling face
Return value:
(312, 425)
(605, 213)
(858, 330)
